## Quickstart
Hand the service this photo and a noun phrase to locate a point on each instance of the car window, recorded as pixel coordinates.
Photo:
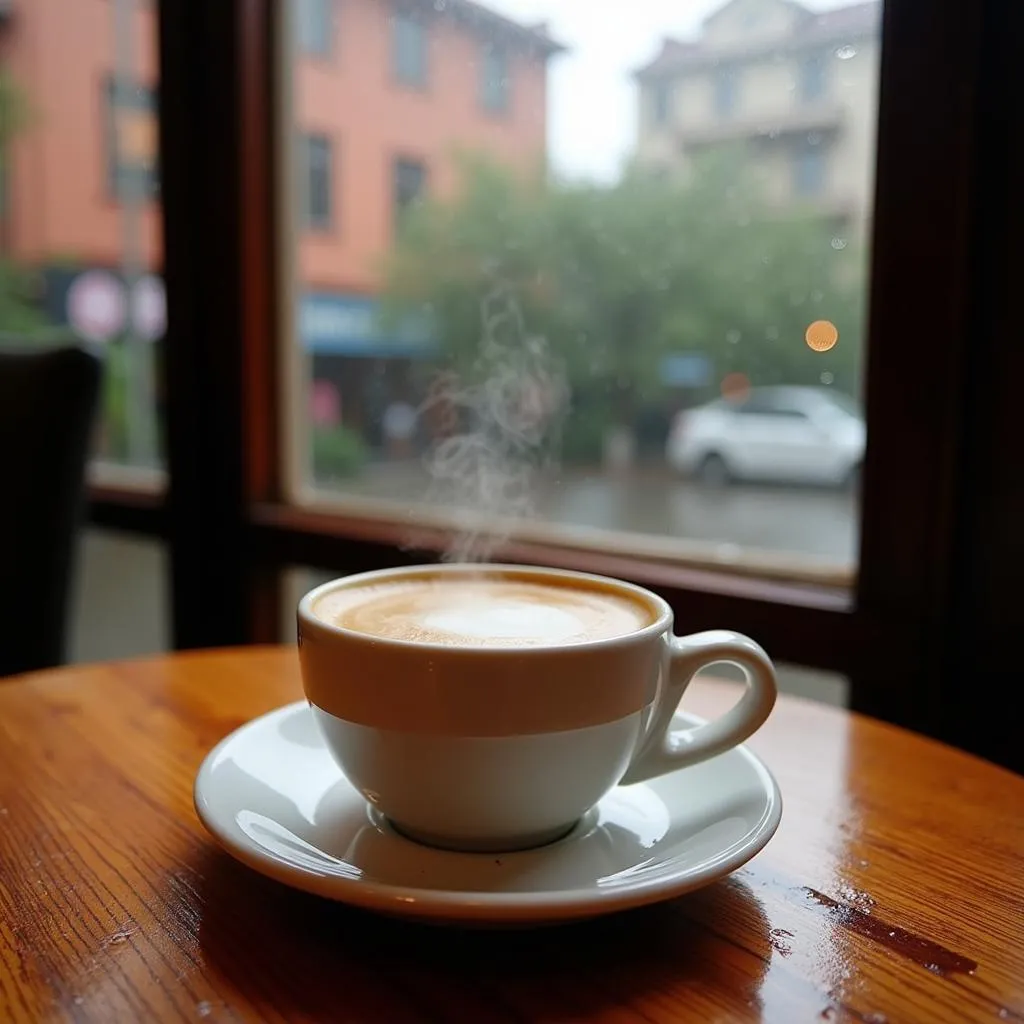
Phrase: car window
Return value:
(755, 405)
(769, 405)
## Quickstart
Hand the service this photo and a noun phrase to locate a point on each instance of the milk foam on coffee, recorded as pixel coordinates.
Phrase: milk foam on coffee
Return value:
(467, 612)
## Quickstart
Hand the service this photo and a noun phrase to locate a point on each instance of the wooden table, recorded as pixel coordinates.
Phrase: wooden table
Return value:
(893, 891)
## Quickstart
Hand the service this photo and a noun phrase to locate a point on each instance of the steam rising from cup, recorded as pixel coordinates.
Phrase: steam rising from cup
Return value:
(501, 432)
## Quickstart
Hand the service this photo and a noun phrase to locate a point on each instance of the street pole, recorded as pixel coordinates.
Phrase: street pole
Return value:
(138, 351)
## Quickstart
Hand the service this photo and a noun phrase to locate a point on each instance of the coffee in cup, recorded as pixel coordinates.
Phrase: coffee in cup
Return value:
(465, 610)
(488, 707)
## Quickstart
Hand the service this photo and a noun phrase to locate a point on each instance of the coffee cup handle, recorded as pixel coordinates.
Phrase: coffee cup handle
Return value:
(663, 749)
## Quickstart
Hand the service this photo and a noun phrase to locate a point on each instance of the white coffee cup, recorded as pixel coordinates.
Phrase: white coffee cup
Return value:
(490, 747)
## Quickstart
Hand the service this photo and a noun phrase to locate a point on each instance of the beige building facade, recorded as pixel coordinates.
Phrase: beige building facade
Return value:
(796, 89)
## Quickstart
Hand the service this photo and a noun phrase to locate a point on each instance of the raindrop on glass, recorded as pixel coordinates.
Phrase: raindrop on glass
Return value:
(838, 243)
(733, 336)
(827, 378)
(846, 52)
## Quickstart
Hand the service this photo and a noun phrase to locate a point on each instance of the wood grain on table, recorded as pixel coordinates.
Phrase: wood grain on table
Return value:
(893, 891)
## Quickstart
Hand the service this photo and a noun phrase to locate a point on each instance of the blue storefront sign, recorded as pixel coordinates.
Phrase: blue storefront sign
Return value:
(349, 325)
(686, 369)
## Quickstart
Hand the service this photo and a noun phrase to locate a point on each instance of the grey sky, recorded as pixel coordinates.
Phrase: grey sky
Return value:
(592, 106)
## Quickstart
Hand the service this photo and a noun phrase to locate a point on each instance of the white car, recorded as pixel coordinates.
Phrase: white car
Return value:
(782, 434)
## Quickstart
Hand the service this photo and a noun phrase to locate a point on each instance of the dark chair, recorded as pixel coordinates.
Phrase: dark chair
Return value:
(48, 401)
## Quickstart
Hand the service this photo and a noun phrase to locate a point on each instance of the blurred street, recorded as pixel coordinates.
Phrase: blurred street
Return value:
(812, 522)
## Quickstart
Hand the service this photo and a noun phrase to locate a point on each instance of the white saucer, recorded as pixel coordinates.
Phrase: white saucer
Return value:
(271, 794)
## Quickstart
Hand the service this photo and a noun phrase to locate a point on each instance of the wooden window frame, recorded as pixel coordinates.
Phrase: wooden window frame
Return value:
(931, 608)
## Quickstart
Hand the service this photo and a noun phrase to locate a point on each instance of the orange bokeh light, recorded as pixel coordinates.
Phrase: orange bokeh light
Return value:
(735, 387)
(821, 335)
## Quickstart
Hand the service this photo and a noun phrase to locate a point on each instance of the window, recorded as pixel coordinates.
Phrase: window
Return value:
(410, 178)
(81, 251)
(315, 27)
(494, 80)
(809, 170)
(317, 179)
(813, 79)
(777, 411)
(399, 321)
(409, 50)
(570, 299)
(765, 403)
(661, 103)
(131, 140)
(725, 85)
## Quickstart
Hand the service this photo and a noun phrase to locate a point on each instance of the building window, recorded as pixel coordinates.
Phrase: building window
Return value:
(812, 80)
(316, 179)
(494, 83)
(315, 26)
(725, 88)
(661, 103)
(410, 180)
(132, 164)
(409, 50)
(809, 171)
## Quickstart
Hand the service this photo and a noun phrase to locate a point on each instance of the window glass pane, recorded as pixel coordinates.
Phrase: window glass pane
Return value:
(409, 42)
(559, 340)
(80, 244)
(809, 170)
(494, 83)
(813, 77)
(661, 103)
(314, 26)
(725, 91)
(409, 186)
(316, 174)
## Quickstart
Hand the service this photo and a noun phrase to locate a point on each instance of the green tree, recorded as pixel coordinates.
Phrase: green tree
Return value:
(451, 254)
(13, 110)
(19, 310)
(616, 278)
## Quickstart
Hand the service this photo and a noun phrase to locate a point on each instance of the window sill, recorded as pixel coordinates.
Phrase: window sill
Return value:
(127, 499)
(334, 527)
(122, 478)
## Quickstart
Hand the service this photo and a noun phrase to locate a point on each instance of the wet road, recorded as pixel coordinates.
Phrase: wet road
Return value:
(821, 523)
